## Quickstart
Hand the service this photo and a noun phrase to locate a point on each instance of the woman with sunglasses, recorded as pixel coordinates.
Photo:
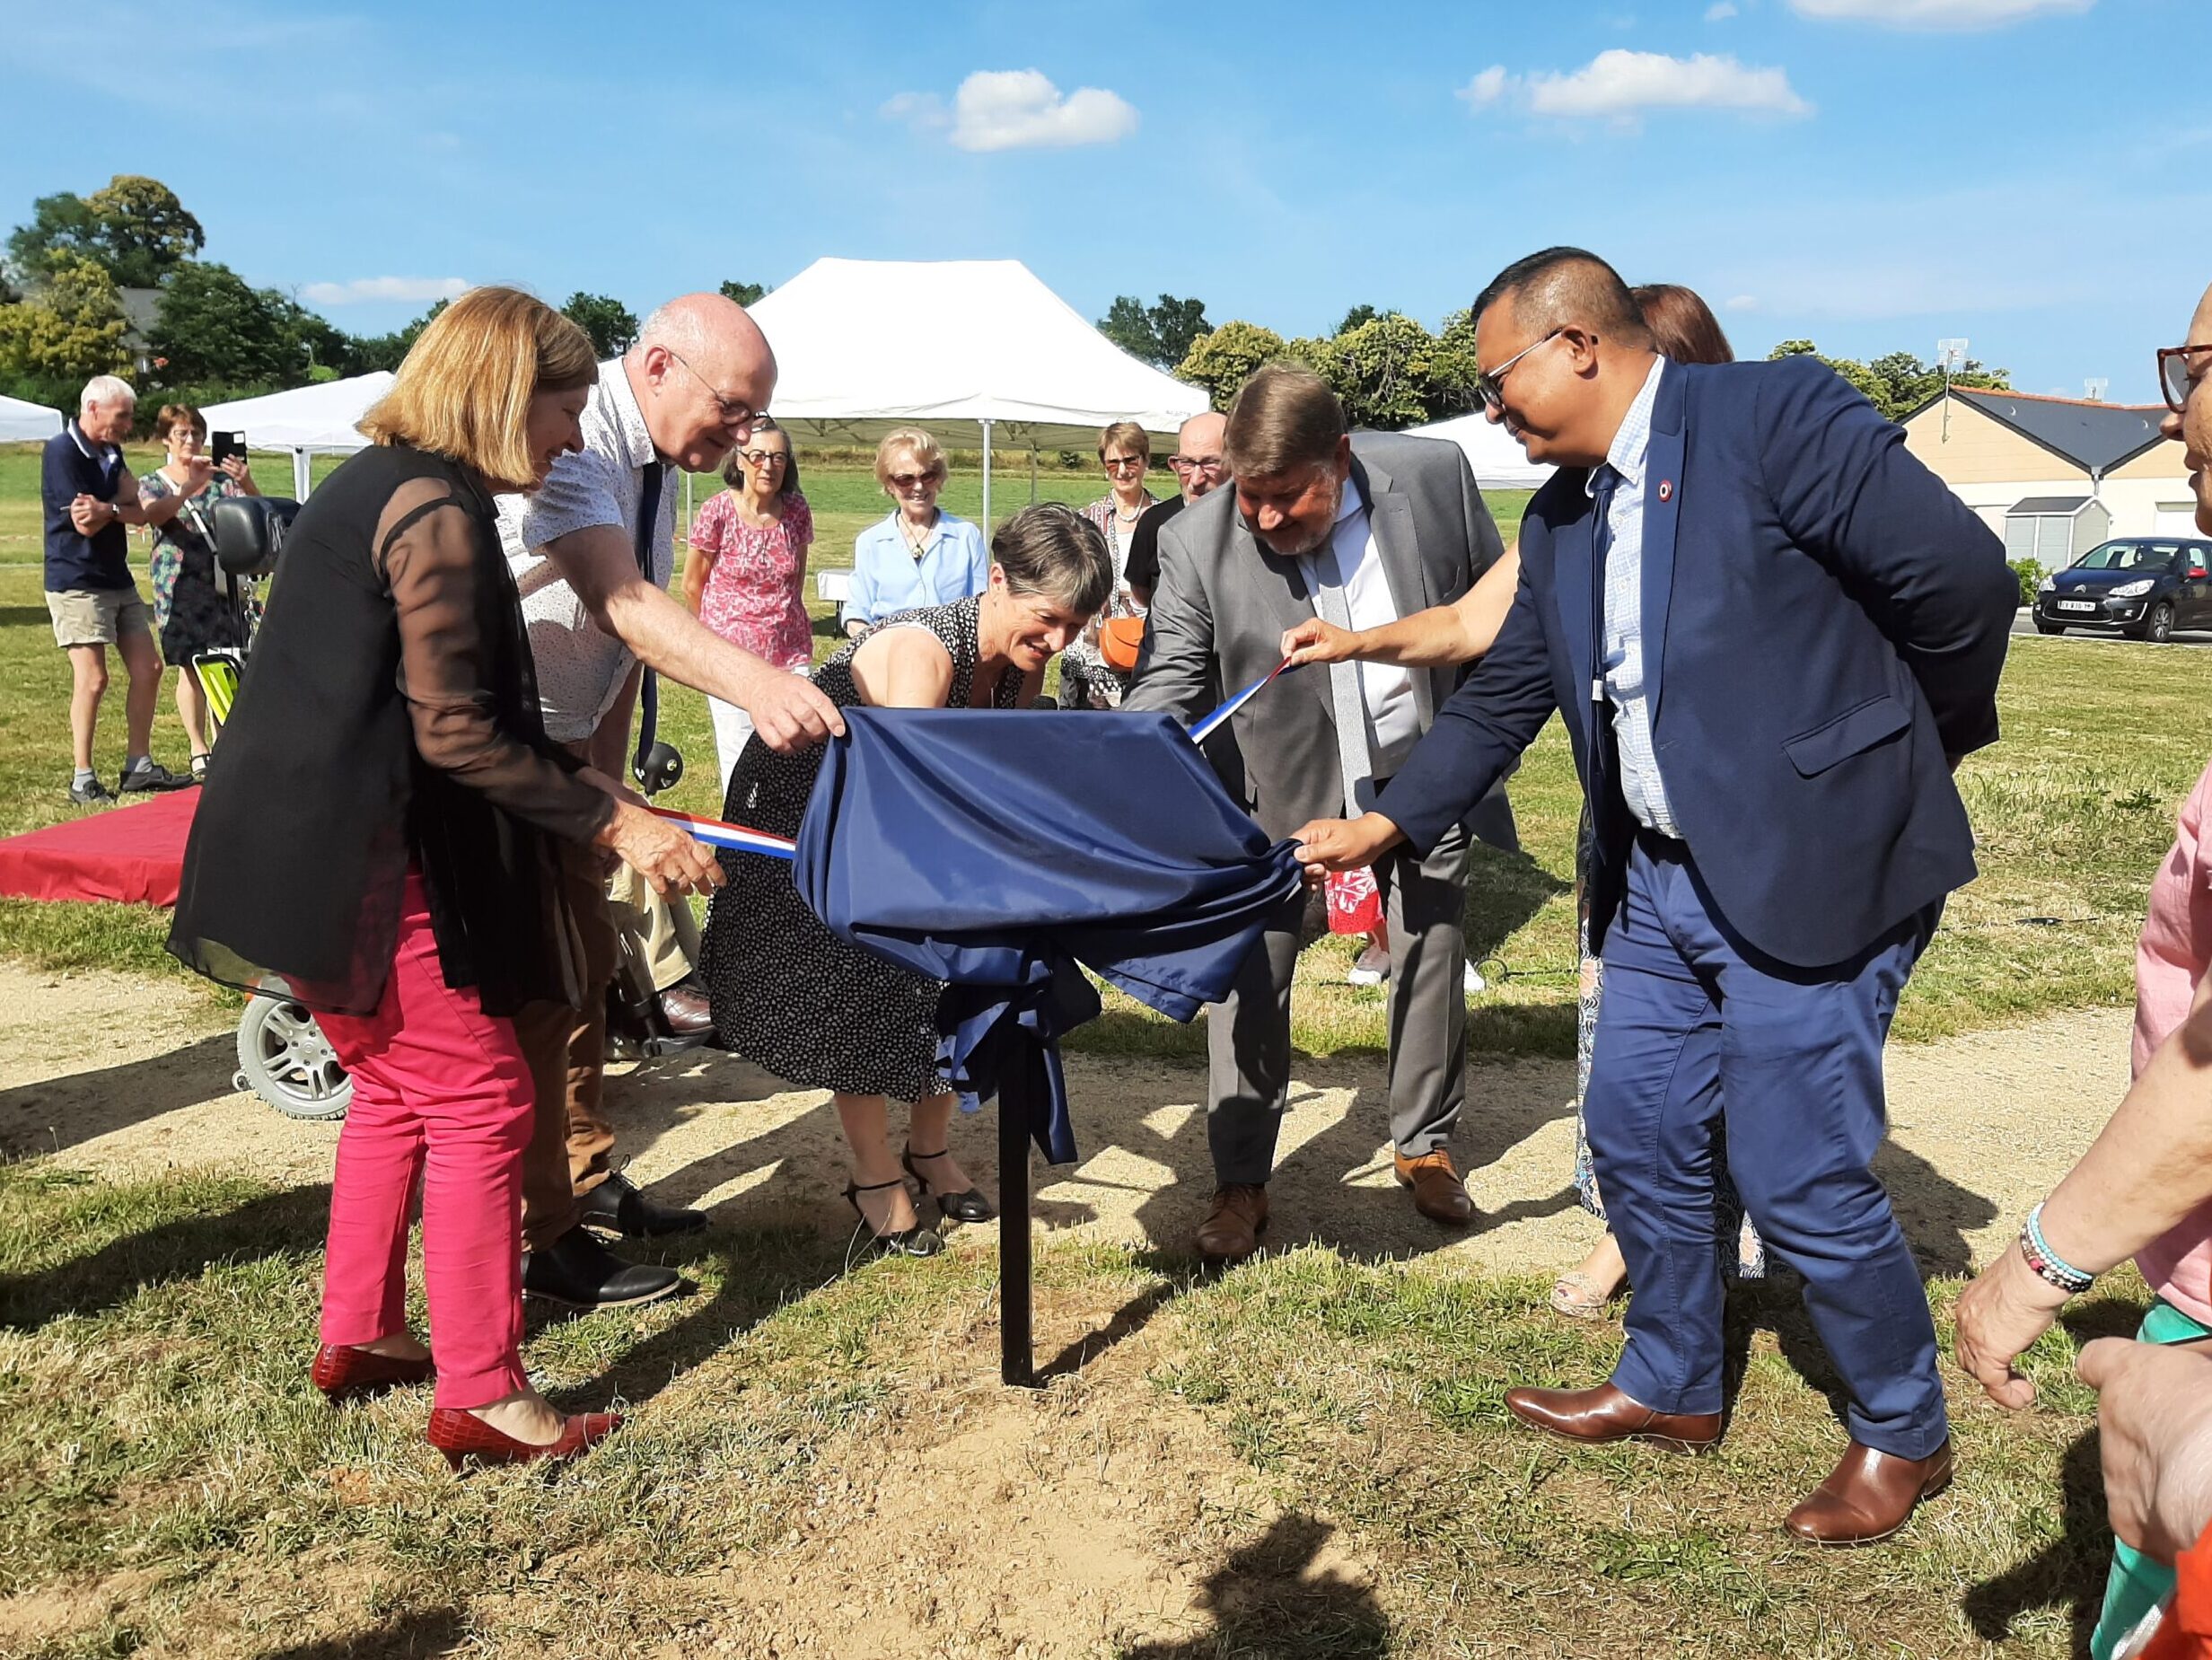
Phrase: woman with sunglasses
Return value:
(2144, 1190)
(745, 575)
(921, 555)
(1087, 680)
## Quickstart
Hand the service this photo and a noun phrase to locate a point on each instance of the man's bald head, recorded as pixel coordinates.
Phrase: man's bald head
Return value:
(1198, 459)
(1566, 288)
(702, 370)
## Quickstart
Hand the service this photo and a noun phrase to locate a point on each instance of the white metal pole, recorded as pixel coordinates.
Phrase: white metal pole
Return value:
(299, 475)
(987, 481)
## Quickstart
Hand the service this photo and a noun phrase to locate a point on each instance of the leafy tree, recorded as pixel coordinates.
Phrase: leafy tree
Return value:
(744, 294)
(135, 228)
(1223, 359)
(384, 351)
(72, 331)
(1357, 315)
(1160, 334)
(1899, 383)
(215, 331)
(1453, 368)
(1381, 369)
(610, 323)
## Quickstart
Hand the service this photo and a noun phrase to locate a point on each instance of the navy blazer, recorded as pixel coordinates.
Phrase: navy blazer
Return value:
(1824, 624)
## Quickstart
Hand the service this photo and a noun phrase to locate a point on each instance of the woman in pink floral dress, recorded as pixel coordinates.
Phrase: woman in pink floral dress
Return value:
(747, 569)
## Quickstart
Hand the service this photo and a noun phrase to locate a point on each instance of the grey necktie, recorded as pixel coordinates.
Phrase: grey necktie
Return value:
(1355, 760)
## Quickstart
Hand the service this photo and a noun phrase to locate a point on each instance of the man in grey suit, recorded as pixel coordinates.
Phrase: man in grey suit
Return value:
(1359, 531)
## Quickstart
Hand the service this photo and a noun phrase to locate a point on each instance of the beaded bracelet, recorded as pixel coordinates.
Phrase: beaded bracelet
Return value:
(2048, 1263)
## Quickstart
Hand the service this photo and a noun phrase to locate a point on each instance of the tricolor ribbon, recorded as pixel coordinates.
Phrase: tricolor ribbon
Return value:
(743, 838)
(739, 837)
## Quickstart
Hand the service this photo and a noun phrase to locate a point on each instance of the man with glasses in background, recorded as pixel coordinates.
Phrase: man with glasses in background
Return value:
(592, 553)
(1200, 469)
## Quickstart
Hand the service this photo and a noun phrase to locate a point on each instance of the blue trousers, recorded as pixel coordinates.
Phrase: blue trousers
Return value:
(1693, 1017)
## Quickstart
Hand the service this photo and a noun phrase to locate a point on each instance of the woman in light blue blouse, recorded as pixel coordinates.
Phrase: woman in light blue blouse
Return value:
(920, 556)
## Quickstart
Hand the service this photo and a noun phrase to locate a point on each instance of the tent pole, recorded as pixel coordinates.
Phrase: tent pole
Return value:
(299, 475)
(1032, 473)
(986, 480)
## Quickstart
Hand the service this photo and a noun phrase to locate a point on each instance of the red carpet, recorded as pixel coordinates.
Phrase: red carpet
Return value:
(135, 854)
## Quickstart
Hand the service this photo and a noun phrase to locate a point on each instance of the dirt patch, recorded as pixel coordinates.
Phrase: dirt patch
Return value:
(119, 1074)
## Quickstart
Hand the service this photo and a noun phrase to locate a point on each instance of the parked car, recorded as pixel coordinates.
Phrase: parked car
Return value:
(2146, 586)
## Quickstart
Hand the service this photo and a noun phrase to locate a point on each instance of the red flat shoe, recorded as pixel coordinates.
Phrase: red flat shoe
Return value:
(345, 1373)
(462, 1436)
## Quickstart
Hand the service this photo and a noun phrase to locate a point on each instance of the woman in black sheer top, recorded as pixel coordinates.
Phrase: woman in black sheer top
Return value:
(379, 838)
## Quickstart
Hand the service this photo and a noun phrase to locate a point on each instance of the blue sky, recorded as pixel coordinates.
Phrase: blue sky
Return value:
(2032, 175)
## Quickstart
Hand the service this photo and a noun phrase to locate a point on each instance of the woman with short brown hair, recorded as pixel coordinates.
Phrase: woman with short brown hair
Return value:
(1094, 673)
(379, 839)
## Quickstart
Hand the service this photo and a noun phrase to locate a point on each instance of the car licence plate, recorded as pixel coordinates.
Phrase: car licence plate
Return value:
(2077, 605)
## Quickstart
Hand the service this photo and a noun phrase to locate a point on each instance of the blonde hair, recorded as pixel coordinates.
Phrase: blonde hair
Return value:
(914, 441)
(1129, 436)
(463, 389)
(1284, 417)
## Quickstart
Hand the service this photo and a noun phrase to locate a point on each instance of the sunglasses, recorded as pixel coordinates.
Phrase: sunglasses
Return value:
(907, 480)
(1490, 383)
(1122, 464)
(2180, 368)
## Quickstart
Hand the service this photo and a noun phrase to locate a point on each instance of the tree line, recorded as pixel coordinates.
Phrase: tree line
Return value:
(1393, 373)
(212, 335)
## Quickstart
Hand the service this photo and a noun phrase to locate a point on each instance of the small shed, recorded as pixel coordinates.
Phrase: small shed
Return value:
(2055, 531)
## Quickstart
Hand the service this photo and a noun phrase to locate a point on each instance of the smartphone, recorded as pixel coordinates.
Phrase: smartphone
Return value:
(221, 446)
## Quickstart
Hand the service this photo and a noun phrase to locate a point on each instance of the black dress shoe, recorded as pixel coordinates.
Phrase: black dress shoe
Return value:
(577, 1271)
(616, 1207)
(684, 1006)
(968, 1205)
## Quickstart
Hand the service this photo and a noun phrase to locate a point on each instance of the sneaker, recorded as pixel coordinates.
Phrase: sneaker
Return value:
(1372, 969)
(1472, 981)
(90, 794)
(150, 776)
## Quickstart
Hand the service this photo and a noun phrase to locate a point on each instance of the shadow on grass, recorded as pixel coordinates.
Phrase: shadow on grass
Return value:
(1132, 1317)
(412, 1637)
(1266, 1600)
(2069, 1572)
(295, 1219)
(61, 1112)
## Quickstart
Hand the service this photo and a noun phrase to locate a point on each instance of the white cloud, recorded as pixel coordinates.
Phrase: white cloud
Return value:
(1486, 88)
(1720, 12)
(1741, 302)
(413, 290)
(1936, 14)
(1621, 86)
(1018, 110)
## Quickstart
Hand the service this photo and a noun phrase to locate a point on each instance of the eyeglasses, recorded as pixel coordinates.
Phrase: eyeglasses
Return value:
(909, 480)
(736, 414)
(1195, 463)
(762, 458)
(1490, 383)
(2180, 368)
(1122, 464)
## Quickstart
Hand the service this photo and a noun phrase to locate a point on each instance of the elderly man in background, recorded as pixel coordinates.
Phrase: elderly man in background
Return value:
(89, 495)
(1200, 468)
(592, 552)
(1360, 529)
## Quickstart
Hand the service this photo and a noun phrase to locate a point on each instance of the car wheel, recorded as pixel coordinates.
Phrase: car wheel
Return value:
(2158, 627)
(2048, 628)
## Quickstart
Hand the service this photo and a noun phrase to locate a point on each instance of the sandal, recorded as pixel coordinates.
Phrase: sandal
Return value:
(968, 1205)
(1576, 1296)
(907, 1242)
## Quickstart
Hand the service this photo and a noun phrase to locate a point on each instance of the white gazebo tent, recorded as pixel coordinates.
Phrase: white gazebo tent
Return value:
(864, 345)
(19, 421)
(1496, 455)
(321, 420)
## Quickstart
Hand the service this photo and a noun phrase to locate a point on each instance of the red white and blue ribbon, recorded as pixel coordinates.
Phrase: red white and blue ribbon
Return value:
(739, 837)
(1204, 728)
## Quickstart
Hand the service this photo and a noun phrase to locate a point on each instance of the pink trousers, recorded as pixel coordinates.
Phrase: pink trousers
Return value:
(441, 1094)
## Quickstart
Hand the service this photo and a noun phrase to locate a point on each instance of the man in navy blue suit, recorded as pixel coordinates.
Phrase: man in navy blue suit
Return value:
(1772, 634)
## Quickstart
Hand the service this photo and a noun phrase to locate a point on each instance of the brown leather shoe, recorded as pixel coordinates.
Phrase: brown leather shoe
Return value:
(1605, 1414)
(1869, 1496)
(1438, 1193)
(686, 1009)
(1231, 1229)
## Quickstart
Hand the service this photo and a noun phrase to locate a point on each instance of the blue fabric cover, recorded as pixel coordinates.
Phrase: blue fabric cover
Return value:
(997, 851)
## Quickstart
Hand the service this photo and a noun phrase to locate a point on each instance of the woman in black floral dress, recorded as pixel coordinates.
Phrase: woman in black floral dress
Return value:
(793, 998)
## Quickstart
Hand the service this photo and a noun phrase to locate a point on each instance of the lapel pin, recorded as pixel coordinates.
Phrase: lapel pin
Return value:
(1666, 489)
